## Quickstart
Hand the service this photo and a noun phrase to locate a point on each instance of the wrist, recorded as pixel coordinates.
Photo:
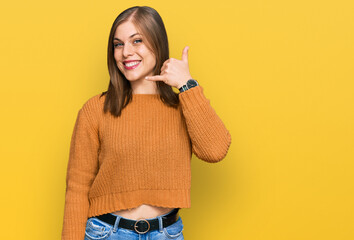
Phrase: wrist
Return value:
(189, 84)
(184, 82)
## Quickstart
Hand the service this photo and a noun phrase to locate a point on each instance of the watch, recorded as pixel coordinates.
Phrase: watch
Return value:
(189, 84)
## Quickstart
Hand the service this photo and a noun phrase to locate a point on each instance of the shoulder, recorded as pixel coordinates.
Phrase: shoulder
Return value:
(94, 103)
(93, 108)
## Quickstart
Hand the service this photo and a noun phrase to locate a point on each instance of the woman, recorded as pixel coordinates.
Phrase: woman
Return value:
(129, 169)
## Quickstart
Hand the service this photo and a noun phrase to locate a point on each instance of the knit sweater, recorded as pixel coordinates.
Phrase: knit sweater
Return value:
(141, 157)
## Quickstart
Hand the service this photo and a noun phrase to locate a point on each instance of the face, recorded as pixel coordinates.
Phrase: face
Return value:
(131, 53)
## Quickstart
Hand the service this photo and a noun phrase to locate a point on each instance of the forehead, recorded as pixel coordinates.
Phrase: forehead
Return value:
(125, 30)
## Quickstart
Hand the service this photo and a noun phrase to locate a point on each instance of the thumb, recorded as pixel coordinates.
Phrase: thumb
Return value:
(185, 54)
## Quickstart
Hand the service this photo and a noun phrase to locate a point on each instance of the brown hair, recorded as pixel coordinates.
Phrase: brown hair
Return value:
(148, 21)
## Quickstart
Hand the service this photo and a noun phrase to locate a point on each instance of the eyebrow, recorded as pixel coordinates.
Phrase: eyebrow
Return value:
(129, 37)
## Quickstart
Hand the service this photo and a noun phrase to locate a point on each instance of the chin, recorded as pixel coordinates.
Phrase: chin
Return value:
(132, 79)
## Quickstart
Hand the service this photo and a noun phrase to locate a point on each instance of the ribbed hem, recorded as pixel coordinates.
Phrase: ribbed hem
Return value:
(170, 198)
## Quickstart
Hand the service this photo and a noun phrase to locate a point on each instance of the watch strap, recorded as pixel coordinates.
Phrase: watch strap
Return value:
(185, 86)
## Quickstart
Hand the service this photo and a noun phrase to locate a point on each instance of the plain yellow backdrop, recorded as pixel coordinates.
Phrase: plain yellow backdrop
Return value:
(278, 73)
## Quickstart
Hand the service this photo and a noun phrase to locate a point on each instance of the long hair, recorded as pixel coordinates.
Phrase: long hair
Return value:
(148, 21)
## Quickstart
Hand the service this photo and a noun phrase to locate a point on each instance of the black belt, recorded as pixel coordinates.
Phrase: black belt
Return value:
(141, 225)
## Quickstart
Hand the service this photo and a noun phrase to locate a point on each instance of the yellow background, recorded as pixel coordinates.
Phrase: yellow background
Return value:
(278, 73)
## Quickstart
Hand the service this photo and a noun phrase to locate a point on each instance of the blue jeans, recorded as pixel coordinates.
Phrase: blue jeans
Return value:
(99, 230)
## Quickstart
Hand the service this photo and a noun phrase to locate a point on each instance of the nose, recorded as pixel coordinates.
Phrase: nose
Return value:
(127, 50)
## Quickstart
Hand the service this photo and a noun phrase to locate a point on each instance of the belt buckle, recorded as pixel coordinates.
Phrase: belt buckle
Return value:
(141, 219)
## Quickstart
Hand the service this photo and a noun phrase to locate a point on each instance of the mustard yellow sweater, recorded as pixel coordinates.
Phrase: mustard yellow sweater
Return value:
(141, 157)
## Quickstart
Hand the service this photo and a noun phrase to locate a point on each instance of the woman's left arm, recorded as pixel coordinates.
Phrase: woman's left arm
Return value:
(209, 136)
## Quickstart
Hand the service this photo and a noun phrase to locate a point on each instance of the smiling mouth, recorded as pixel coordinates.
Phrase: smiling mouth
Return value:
(131, 65)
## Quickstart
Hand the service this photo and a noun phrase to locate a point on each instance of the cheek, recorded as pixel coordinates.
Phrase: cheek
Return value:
(120, 66)
(117, 59)
(151, 57)
(144, 51)
(115, 55)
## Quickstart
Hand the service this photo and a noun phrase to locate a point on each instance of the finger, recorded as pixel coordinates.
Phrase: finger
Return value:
(163, 69)
(156, 78)
(167, 61)
(164, 65)
(185, 54)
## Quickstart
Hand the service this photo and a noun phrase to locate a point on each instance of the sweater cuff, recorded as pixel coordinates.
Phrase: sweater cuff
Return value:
(193, 98)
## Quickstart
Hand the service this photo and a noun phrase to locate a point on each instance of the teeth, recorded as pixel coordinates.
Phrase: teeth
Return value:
(131, 64)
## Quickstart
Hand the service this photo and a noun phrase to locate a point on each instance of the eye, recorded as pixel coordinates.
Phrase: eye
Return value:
(117, 44)
(138, 40)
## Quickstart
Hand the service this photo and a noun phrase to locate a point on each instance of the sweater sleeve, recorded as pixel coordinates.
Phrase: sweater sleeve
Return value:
(209, 137)
(81, 171)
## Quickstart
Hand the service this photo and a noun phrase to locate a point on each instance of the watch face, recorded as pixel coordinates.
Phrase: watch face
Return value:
(191, 83)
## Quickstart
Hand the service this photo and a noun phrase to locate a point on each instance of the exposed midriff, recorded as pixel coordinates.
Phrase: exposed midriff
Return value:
(143, 211)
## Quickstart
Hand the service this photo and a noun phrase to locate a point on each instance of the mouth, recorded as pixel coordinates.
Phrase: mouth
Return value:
(131, 64)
